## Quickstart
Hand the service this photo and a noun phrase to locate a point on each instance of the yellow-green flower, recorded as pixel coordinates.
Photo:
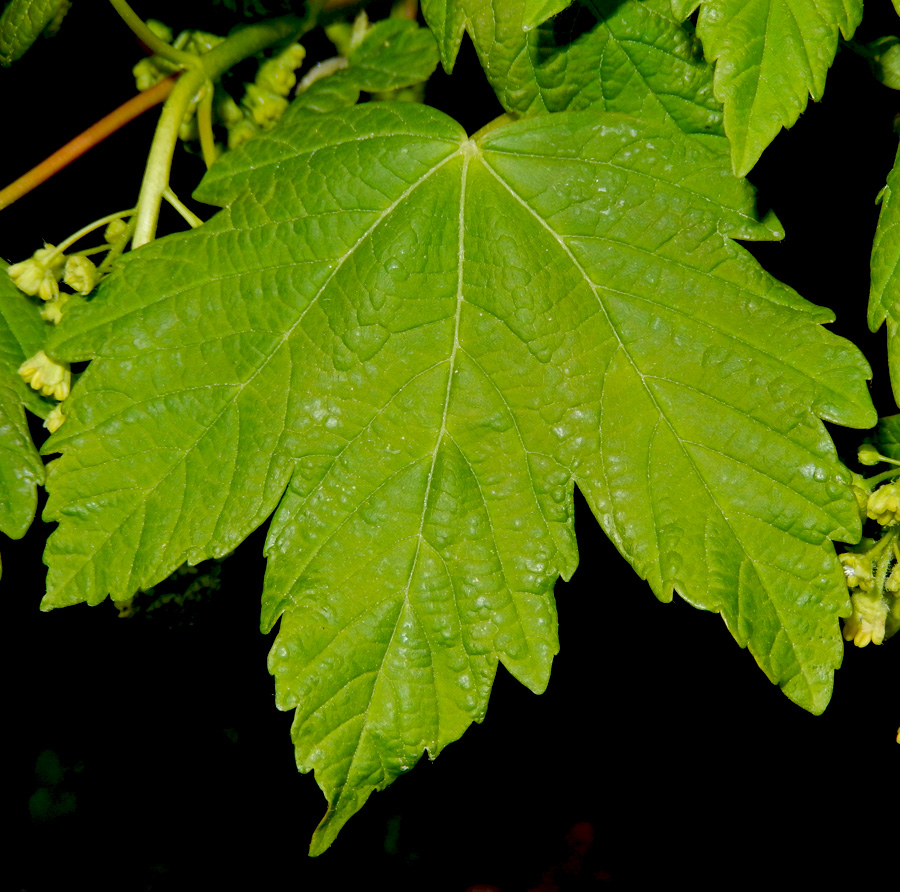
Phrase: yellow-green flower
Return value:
(858, 570)
(38, 276)
(53, 422)
(51, 378)
(884, 505)
(52, 310)
(866, 623)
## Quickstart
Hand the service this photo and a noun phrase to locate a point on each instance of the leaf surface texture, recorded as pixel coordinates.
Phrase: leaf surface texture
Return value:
(411, 345)
(21, 469)
(631, 57)
(22, 22)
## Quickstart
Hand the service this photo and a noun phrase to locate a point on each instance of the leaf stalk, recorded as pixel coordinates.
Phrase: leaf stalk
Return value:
(209, 68)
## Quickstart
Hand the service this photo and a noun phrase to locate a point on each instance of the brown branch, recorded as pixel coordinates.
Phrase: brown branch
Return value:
(91, 137)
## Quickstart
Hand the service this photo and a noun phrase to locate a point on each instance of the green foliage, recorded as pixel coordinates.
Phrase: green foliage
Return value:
(407, 346)
(770, 55)
(21, 469)
(884, 297)
(629, 57)
(23, 21)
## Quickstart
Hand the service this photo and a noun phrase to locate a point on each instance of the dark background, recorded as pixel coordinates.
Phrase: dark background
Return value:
(148, 754)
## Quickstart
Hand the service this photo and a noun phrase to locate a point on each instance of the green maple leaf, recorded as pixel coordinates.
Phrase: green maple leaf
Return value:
(884, 295)
(770, 56)
(631, 57)
(22, 22)
(412, 345)
(21, 469)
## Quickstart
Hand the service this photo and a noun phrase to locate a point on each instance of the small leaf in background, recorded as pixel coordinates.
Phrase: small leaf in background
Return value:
(23, 21)
(884, 295)
(770, 56)
(411, 346)
(631, 57)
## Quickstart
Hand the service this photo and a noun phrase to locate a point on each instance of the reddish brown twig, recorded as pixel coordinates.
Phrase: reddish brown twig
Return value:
(91, 137)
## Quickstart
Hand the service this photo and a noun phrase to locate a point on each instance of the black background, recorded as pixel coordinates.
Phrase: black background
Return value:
(148, 754)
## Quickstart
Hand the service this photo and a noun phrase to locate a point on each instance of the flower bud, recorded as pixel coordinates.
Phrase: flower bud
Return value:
(115, 231)
(868, 455)
(80, 274)
(228, 111)
(265, 106)
(202, 42)
(277, 74)
(858, 570)
(160, 29)
(147, 73)
(51, 378)
(242, 131)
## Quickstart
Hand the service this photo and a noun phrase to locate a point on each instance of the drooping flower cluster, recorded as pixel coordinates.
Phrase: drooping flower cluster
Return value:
(872, 568)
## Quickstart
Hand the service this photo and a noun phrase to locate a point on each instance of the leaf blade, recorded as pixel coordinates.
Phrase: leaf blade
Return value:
(21, 469)
(444, 341)
(884, 292)
(22, 22)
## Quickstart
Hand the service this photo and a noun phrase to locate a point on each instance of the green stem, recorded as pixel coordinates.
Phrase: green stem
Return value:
(86, 230)
(210, 67)
(880, 478)
(204, 125)
(187, 214)
(149, 39)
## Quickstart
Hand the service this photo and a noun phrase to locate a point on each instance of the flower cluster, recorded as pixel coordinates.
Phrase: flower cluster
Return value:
(39, 276)
(46, 375)
(872, 568)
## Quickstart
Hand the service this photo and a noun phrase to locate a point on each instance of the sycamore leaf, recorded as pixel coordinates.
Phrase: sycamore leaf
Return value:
(22, 22)
(770, 56)
(412, 345)
(21, 469)
(631, 57)
(538, 11)
(884, 295)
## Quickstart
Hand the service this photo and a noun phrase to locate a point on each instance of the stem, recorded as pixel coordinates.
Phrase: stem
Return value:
(117, 249)
(149, 39)
(187, 214)
(86, 230)
(91, 137)
(211, 66)
(159, 162)
(204, 125)
(880, 478)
